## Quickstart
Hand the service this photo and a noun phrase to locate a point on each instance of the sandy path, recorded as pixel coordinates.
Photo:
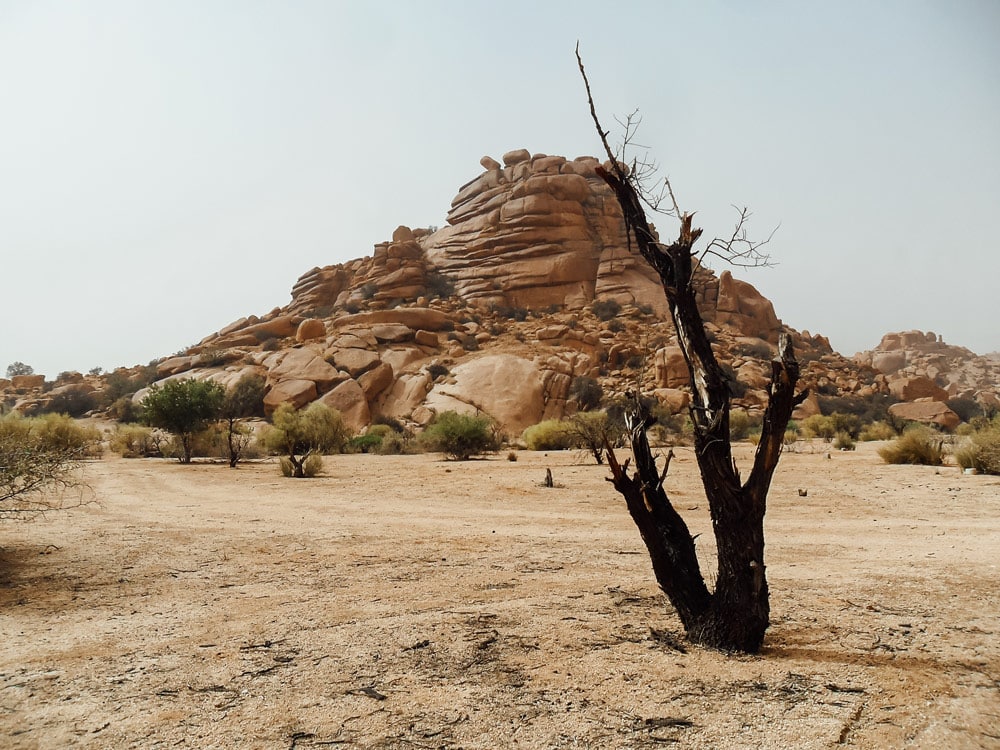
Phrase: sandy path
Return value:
(407, 602)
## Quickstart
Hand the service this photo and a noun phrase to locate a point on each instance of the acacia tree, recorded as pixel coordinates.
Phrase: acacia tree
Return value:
(297, 435)
(244, 399)
(735, 615)
(183, 407)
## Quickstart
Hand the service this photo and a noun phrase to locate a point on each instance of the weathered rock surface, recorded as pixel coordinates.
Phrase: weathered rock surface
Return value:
(502, 298)
(919, 365)
(927, 411)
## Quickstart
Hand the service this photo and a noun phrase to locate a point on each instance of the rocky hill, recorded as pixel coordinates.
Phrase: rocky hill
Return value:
(528, 288)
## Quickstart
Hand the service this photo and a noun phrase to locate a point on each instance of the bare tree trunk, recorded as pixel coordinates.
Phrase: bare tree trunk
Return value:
(735, 616)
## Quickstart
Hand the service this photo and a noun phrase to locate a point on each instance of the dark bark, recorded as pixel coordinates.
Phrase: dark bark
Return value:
(735, 615)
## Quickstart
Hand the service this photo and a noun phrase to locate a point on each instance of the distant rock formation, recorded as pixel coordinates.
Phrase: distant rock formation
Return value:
(918, 365)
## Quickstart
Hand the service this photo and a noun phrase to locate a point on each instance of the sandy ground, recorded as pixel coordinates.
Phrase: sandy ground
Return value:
(410, 602)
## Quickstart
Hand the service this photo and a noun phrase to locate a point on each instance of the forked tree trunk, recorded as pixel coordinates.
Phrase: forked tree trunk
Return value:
(735, 616)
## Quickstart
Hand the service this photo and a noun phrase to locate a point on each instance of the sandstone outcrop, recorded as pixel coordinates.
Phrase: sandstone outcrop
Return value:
(927, 411)
(497, 313)
(920, 365)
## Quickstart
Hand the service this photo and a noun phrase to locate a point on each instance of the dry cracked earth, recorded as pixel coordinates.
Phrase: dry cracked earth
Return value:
(411, 602)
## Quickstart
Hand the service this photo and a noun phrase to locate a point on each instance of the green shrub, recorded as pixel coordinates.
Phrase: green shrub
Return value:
(183, 407)
(819, 426)
(877, 431)
(315, 429)
(918, 445)
(550, 435)
(461, 436)
(367, 443)
(437, 371)
(967, 409)
(981, 450)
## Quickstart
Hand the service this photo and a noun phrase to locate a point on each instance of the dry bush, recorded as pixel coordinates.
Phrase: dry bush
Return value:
(918, 445)
(981, 450)
(877, 431)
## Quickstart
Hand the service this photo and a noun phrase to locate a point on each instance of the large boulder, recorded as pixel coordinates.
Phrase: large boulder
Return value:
(911, 389)
(349, 399)
(305, 364)
(298, 393)
(927, 411)
(504, 386)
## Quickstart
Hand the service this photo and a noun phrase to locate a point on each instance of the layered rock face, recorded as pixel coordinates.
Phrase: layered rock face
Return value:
(918, 365)
(537, 237)
(500, 311)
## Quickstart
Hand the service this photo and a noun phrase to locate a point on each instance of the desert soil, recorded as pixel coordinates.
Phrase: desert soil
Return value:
(411, 602)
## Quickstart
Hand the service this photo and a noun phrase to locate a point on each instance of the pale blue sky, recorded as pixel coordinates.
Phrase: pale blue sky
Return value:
(168, 167)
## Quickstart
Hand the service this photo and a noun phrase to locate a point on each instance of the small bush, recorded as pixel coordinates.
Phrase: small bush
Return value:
(877, 431)
(587, 392)
(74, 402)
(616, 326)
(367, 443)
(605, 309)
(391, 422)
(818, 426)
(439, 285)
(918, 445)
(437, 371)
(981, 450)
(461, 436)
(398, 444)
(843, 441)
(57, 432)
(550, 435)
(741, 424)
(137, 441)
(512, 456)
(312, 465)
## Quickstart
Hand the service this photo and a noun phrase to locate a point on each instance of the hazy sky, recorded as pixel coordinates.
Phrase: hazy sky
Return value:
(169, 167)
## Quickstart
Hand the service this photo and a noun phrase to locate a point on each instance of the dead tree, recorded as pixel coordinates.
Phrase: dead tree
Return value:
(735, 615)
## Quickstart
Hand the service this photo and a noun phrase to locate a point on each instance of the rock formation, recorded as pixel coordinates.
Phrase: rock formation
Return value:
(529, 286)
(918, 365)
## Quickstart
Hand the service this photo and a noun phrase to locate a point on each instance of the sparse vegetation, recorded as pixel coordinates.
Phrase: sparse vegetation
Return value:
(605, 309)
(245, 399)
(741, 424)
(917, 445)
(183, 407)
(74, 401)
(296, 434)
(137, 441)
(461, 436)
(38, 460)
(587, 392)
(980, 450)
(550, 435)
(19, 368)
(843, 441)
(877, 431)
